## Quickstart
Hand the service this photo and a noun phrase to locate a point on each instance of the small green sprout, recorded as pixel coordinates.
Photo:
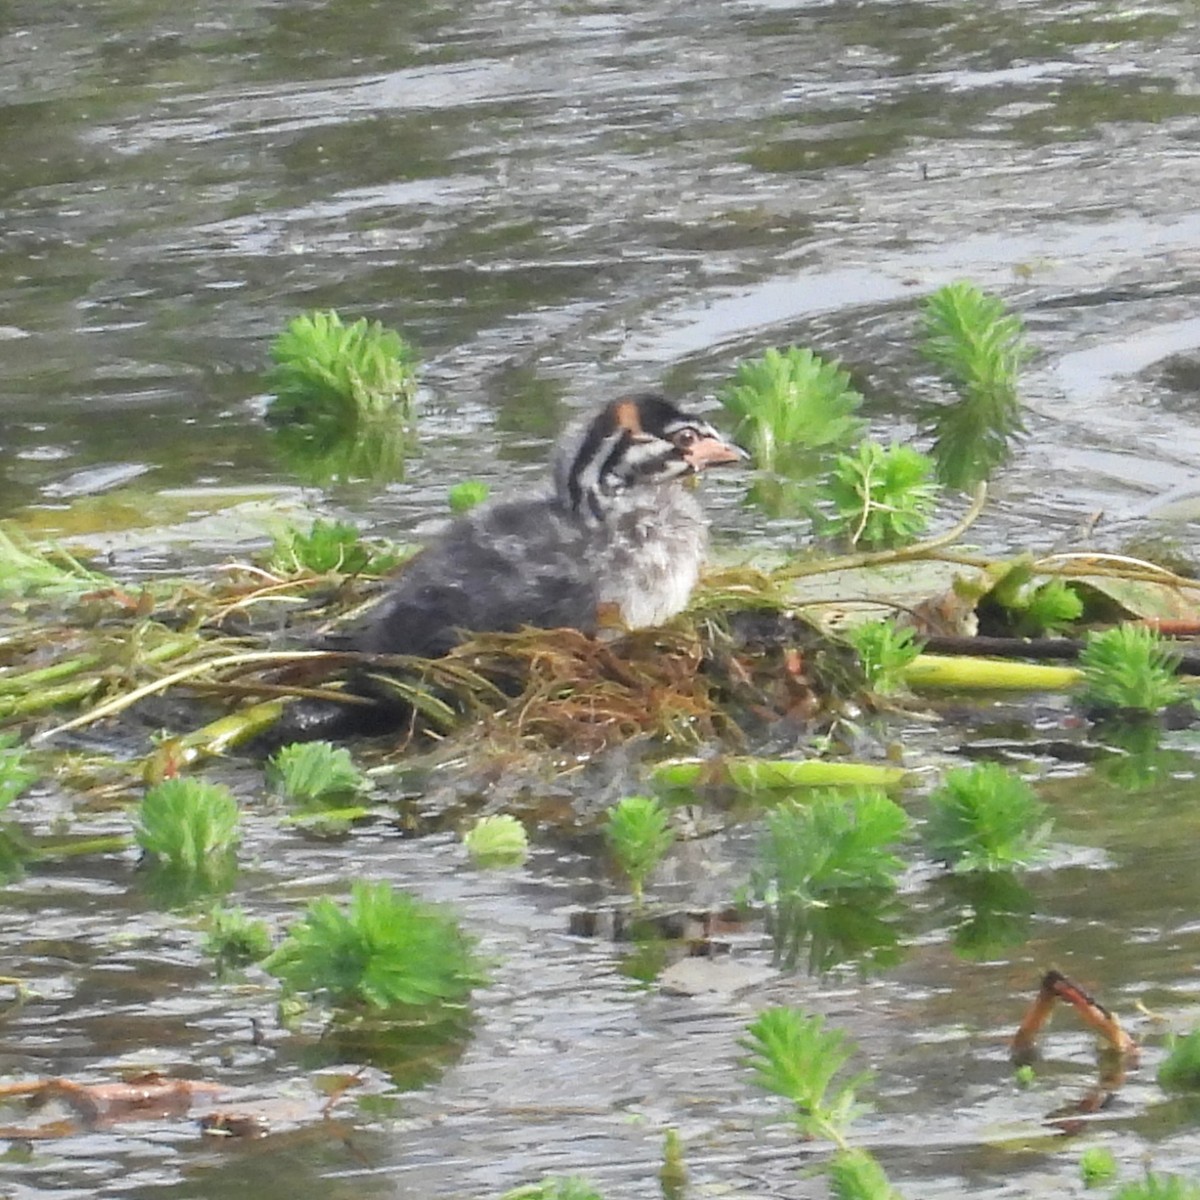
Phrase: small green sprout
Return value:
(639, 834)
(1050, 609)
(383, 950)
(883, 497)
(979, 348)
(1097, 1166)
(466, 495)
(1025, 1076)
(1159, 1187)
(1180, 1070)
(554, 1189)
(497, 841)
(986, 818)
(315, 774)
(15, 772)
(187, 824)
(672, 1175)
(326, 368)
(234, 939)
(884, 650)
(796, 1057)
(329, 547)
(1129, 667)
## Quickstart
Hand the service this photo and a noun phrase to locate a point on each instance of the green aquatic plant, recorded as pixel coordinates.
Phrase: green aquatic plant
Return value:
(497, 841)
(884, 650)
(1180, 1070)
(554, 1189)
(672, 1175)
(235, 939)
(1049, 609)
(315, 774)
(1159, 1187)
(1129, 667)
(985, 818)
(349, 372)
(466, 495)
(825, 873)
(187, 824)
(29, 570)
(978, 347)
(15, 772)
(788, 402)
(882, 496)
(1097, 1166)
(795, 1056)
(639, 835)
(382, 950)
(792, 411)
(329, 547)
(832, 842)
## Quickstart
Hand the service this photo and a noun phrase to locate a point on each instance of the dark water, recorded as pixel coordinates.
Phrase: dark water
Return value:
(556, 203)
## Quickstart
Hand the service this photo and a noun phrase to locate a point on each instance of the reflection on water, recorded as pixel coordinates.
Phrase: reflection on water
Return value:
(557, 203)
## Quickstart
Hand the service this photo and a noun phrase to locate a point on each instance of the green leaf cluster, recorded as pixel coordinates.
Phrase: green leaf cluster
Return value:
(15, 772)
(1033, 609)
(978, 347)
(1097, 1166)
(856, 1175)
(884, 650)
(835, 841)
(187, 823)
(789, 402)
(235, 939)
(349, 372)
(383, 950)
(883, 496)
(985, 818)
(1130, 667)
(314, 774)
(465, 495)
(29, 570)
(796, 1057)
(554, 1189)
(328, 547)
(1159, 1187)
(497, 841)
(639, 835)
(1180, 1070)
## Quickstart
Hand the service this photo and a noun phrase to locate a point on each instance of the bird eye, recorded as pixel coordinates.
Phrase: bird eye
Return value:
(685, 437)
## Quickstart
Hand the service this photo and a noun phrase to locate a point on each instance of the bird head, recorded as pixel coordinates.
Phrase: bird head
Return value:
(638, 441)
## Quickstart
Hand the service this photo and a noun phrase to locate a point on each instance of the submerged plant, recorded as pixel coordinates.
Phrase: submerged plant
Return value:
(328, 547)
(884, 650)
(1159, 1187)
(985, 818)
(315, 774)
(187, 824)
(466, 495)
(234, 939)
(639, 834)
(15, 772)
(497, 841)
(346, 371)
(1130, 667)
(825, 873)
(883, 496)
(1180, 1070)
(978, 347)
(554, 1189)
(1097, 1166)
(382, 950)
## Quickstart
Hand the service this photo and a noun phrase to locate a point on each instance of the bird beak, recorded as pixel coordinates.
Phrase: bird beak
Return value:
(712, 452)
